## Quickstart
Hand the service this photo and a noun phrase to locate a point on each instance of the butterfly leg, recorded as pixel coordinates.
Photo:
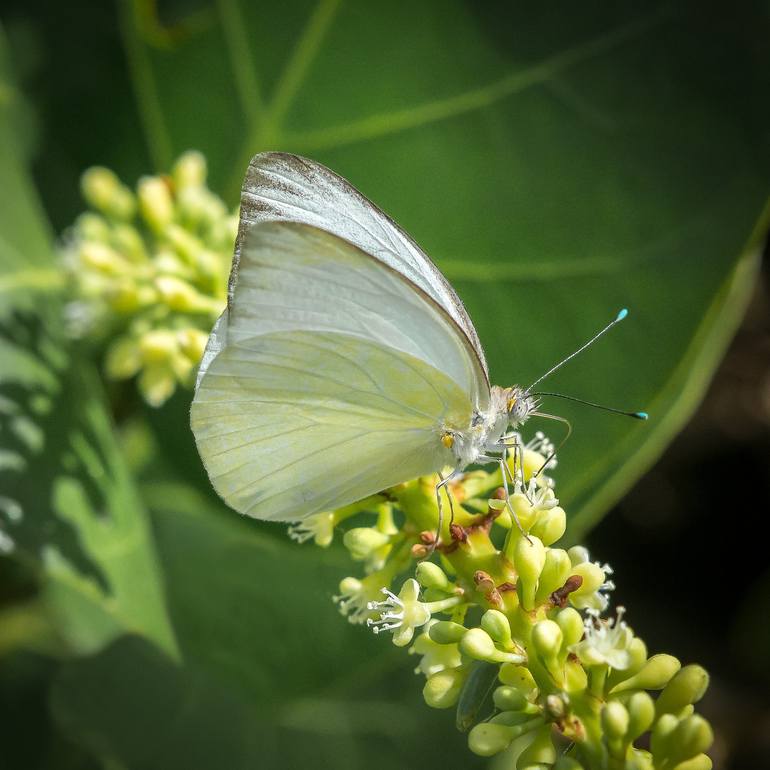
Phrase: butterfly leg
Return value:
(505, 473)
(443, 484)
(505, 470)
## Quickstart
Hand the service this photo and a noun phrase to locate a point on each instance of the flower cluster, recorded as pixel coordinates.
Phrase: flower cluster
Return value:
(148, 270)
(512, 631)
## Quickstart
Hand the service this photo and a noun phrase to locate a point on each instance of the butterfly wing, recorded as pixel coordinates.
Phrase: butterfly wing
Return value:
(330, 378)
(281, 186)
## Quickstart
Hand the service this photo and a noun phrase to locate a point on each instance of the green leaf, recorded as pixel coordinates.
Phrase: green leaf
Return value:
(68, 506)
(272, 675)
(132, 706)
(558, 164)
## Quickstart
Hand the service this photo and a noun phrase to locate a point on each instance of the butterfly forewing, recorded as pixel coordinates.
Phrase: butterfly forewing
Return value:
(281, 186)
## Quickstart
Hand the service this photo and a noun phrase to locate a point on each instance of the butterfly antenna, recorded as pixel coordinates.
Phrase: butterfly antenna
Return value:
(635, 415)
(620, 316)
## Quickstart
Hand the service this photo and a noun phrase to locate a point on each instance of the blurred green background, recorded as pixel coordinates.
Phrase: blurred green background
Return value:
(558, 163)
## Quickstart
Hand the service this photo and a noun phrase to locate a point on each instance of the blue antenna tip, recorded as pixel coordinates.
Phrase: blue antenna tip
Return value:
(622, 314)
(641, 415)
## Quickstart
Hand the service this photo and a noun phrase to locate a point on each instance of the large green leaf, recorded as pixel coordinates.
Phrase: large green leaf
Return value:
(67, 503)
(557, 163)
(273, 677)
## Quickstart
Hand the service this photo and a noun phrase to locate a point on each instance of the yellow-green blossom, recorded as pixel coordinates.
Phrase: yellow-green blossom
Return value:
(148, 270)
(519, 610)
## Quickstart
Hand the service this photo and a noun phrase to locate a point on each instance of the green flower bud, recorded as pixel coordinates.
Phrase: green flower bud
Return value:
(615, 719)
(519, 677)
(92, 227)
(571, 624)
(686, 687)
(123, 358)
(155, 202)
(547, 638)
(442, 690)
(654, 675)
(127, 240)
(193, 343)
(189, 170)
(361, 542)
(699, 762)
(578, 554)
(157, 384)
(641, 714)
(692, 736)
(477, 643)
(661, 734)
(550, 525)
(593, 577)
(540, 754)
(556, 570)
(487, 739)
(430, 575)
(180, 296)
(496, 624)
(104, 191)
(639, 759)
(508, 698)
(184, 243)
(197, 207)
(158, 346)
(102, 258)
(529, 560)
(446, 632)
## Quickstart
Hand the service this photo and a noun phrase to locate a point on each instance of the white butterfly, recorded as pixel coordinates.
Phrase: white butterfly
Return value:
(345, 363)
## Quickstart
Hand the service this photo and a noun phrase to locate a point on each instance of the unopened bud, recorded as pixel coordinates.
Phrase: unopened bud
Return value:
(104, 191)
(157, 384)
(540, 754)
(155, 202)
(550, 525)
(547, 639)
(593, 577)
(158, 346)
(615, 719)
(123, 358)
(654, 675)
(555, 571)
(519, 677)
(641, 714)
(496, 624)
(508, 698)
(692, 736)
(189, 170)
(430, 575)
(687, 686)
(442, 689)
(477, 643)
(571, 624)
(361, 542)
(529, 560)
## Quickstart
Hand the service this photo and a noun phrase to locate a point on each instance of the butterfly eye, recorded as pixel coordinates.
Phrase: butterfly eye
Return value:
(448, 440)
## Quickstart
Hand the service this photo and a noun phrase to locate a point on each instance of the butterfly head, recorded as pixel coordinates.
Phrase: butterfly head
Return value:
(519, 405)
